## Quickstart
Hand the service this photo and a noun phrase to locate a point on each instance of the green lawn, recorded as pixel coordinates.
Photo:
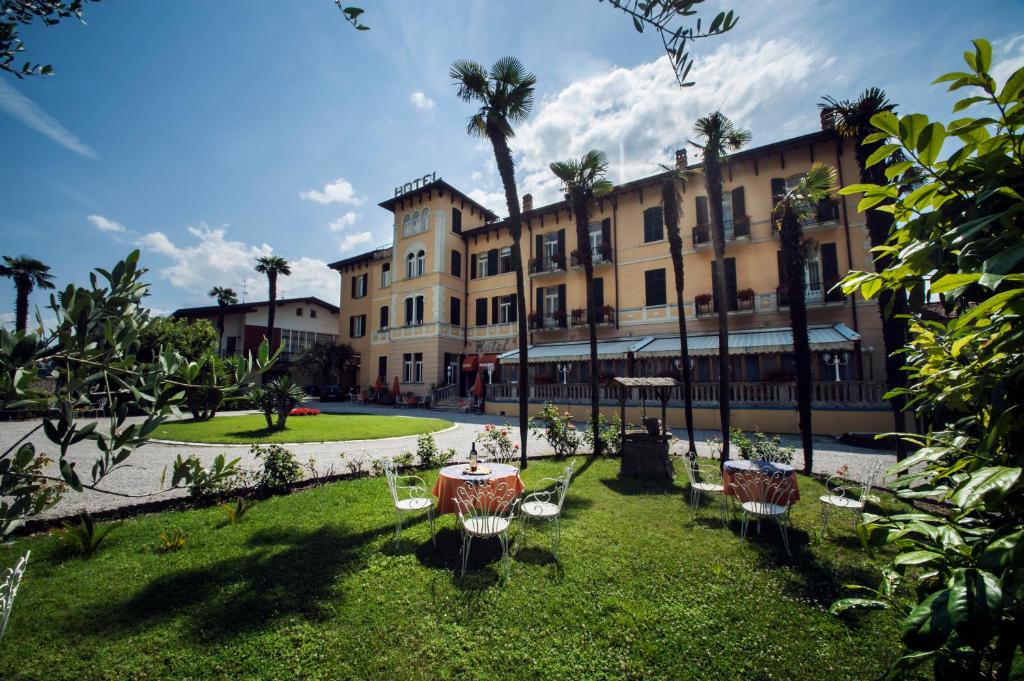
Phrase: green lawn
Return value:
(309, 586)
(252, 428)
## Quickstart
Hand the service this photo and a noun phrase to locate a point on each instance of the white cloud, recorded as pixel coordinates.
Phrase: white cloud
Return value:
(339, 191)
(476, 176)
(639, 116)
(1007, 58)
(494, 200)
(421, 101)
(350, 241)
(346, 220)
(213, 259)
(105, 224)
(22, 108)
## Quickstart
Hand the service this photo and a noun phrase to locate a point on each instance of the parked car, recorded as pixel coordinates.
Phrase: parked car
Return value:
(332, 393)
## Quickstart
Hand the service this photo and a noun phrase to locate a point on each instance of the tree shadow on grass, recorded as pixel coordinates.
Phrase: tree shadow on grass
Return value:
(634, 486)
(290, 572)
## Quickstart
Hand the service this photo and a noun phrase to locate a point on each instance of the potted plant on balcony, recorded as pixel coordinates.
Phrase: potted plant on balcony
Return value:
(604, 251)
(579, 316)
(702, 301)
(536, 320)
(745, 298)
(559, 317)
(607, 314)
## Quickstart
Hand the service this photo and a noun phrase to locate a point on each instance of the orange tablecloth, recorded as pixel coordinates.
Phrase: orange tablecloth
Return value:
(452, 478)
(741, 470)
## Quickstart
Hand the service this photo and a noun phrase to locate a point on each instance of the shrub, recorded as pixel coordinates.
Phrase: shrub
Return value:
(426, 450)
(172, 541)
(220, 477)
(85, 536)
(377, 467)
(237, 510)
(609, 433)
(304, 411)
(497, 443)
(280, 468)
(403, 460)
(356, 467)
(557, 429)
(760, 447)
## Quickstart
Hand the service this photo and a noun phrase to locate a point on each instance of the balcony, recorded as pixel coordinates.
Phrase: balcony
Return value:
(546, 264)
(816, 294)
(601, 255)
(825, 214)
(704, 304)
(734, 229)
(555, 321)
(604, 317)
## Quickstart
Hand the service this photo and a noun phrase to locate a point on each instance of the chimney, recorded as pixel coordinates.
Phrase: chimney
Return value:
(681, 159)
(527, 202)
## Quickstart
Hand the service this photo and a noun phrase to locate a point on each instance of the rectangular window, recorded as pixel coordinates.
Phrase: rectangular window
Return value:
(456, 264)
(481, 312)
(505, 264)
(456, 220)
(385, 317)
(382, 368)
(505, 310)
(730, 282)
(357, 326)
(298, 312)
(417, 359)
(482, 262)
(385, 275)
(419, 310)
(456, 312)
(359, 286)
(410, 314)
(654, 286)
(654, 226)
(407, 367)
(312, 314)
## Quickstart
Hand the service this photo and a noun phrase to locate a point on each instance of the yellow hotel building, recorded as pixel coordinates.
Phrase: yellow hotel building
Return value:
(438, 305)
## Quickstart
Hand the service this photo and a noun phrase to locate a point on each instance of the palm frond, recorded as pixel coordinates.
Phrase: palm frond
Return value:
(471, 77)
(476, 125)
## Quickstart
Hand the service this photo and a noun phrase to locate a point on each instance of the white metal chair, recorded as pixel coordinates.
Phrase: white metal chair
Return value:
(412, 497)
(705, 478)
(9, 589)
(547, 505)
(485, 511)
(764, 497)
(844, 494)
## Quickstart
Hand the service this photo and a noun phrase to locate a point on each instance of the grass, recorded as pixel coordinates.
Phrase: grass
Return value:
(310, 586)
(252, 428)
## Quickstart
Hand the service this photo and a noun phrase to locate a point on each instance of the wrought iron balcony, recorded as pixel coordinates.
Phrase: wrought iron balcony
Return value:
(548, 322)
(547, 263)
(734, 229)
(603, 317)
(815, 294)
(601, 255)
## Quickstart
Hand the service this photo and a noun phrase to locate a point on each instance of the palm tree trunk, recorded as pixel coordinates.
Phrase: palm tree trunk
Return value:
(506, 170)
(793, 272)
(713, 181)
(220, 334)
(670, 213)
(22, 290)
(583, 247)
(272, 308)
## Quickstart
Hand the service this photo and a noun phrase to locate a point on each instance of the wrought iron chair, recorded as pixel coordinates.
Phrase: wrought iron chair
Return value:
(412, 497)
(547, 505)
(705, 478)
(485, 511)
(847, 494)
(9, 589)
(764, 497)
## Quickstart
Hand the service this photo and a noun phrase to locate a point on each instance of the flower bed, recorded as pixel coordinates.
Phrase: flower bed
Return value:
(304, 411)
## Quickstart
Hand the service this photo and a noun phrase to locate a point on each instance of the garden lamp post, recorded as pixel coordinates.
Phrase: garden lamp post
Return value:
(869, 351)
(448, 373)
(490, 375)
(837, 360)
(565, 369)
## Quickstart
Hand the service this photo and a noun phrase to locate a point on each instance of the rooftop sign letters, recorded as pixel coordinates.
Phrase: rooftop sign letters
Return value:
(416, 184)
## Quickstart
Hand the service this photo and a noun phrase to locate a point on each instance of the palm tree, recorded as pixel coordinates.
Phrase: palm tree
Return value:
(852, 120)
(272, 266)
(719, 136)
(584, 180)
(27, 273)
(505, 96)
(225, 297)
(670, 213)
(789, 211)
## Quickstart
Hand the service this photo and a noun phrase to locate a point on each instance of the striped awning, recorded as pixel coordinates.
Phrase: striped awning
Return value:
(577, 351)
(837, 337)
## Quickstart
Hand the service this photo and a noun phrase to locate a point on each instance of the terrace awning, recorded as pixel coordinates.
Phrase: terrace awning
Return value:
(577, 351)
(837, 337)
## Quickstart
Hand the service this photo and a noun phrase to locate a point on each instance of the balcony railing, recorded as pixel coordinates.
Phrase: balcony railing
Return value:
(547, 263)
(601, 255)
(823, 393)
(824, 214)
(733, 229)
(604, 316)
(546, 322)
(816, 294)
(704, 306)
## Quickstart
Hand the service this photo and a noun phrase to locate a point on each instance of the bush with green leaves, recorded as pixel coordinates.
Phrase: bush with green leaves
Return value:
(172, 541)
(557, 429)
(280, 467)
(496, 443)
(958, 252)
(609, 433)
(237, 510)
(220, 477)
(761, 447)
(428, 455)
(95, 350)
(278, 397)
(403, 460)
(85, 536)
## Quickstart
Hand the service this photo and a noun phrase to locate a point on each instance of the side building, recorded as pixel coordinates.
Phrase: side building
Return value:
(448, 309)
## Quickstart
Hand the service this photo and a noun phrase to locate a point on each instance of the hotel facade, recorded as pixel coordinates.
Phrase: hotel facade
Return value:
(439, 305)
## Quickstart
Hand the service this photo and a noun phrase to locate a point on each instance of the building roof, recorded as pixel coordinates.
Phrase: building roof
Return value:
(616, 348)
(207, 310)
(837, 337)
(379, 253)
(389, 204)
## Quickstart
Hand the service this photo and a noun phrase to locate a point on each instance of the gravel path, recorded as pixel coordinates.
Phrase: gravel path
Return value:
(142, 477)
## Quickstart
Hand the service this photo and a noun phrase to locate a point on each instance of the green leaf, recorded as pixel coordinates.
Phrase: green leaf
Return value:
(845, 604)
(950, 282)
(882, 152)
(857, 188)
(887, 122)
(975, 602)
(1012, 88)
(929, 143)
(928, 625)
(638, 25)
(966, 102)
(917, 558)
(1003, 552)
(911, 126)
(985, 482)
(983, 54)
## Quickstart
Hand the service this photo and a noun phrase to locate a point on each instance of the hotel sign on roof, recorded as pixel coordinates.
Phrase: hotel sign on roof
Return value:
(416, 184)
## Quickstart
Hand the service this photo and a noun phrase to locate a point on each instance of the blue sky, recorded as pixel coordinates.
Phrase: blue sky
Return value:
(221, 130)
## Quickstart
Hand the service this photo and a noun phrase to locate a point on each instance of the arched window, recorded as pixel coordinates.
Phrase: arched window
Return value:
(424, 218)
(406, 225)
(410, 266)
(421, 262)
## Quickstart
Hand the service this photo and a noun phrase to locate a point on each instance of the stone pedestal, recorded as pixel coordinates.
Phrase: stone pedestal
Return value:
(645, 457)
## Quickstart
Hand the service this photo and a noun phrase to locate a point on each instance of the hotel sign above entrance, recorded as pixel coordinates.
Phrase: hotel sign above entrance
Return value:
(416, 184)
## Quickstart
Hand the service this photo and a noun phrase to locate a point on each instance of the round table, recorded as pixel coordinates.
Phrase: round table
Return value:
(741, 470)
(452, 478)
